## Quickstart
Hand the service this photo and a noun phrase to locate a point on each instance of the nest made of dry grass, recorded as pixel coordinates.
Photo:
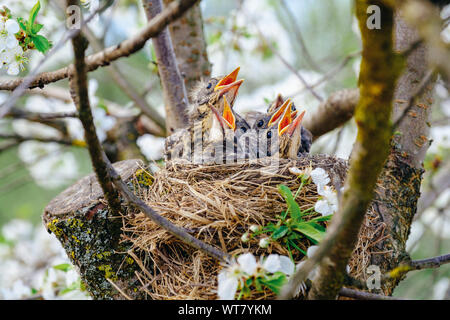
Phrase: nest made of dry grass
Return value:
(217, 204)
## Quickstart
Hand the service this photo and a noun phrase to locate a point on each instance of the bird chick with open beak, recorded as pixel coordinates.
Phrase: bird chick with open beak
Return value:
(226, 130)
(266, 121)
(290, 136)
(211, 92)
(205, 95)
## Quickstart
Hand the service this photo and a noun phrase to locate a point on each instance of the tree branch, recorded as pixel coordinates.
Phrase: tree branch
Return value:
(425, 17)
(80, 95)
(39, 116)
(105, 57)
(332, 113)
(362, 295)
(18, 139)
(174, 90)
(189, 43)
(371, 149)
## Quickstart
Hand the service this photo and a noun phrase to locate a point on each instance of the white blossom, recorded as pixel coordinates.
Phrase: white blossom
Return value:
(27, 262)
(328, 204)
(17, 230)
(245, 237)
(248, 263)
(227, 285)
(305, 172)
(254, 228)
(274, 263)
(320, 178)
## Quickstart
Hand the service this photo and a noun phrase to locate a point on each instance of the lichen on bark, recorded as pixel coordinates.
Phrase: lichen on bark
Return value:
(92, 236)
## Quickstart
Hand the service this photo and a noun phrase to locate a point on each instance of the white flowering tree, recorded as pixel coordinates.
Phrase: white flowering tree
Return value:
(401, 68)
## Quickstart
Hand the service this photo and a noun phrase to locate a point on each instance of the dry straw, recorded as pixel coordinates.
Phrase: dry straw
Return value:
(218, 204)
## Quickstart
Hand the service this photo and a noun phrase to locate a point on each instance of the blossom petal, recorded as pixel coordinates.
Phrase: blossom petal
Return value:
(272, 263)
(323, 208)
(286, 265)
(248, 263)
(12, 26)
(227, 286)
(13, 69)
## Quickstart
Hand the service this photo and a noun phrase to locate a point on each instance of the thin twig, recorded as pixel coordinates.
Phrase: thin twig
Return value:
(299, 36)
(103, 58)
(80, 95)
(39, 116)
(18, 139)
(362, 295)
(25, 83)
(289, 66)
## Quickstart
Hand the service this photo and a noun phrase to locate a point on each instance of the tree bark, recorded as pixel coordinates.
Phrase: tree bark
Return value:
(372, 116)
(174, 90)
(399, 183)
(91, 234)
(188, 40)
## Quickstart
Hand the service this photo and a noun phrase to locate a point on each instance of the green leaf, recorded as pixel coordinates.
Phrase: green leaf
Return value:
(322, 218)
(280, 232)
(41, 43)
(292, 243)
(310, 231)
(36, 28)
(22, 23)
(275, 282)
(33, 14)
(63, 267)
(293, 206)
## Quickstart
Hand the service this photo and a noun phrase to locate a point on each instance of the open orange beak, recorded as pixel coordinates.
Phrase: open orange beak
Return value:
(295, 123)
(228, 115)
(286, 120)
(229, 84)
(279, 112)
(227, 79)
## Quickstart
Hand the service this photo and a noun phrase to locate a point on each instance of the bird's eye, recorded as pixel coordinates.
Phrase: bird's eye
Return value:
(293, 108)
(269, 134)
(260, 123)
(209, 86)
(244, 129)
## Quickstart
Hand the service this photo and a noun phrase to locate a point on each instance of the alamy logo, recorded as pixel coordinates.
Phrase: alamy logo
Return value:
(374, 280)
(73, 20)
(374, 20)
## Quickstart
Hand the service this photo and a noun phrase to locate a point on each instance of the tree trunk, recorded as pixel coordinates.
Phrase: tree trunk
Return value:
(91, 235)
(174, 90)
(190, 46)
(399, 183)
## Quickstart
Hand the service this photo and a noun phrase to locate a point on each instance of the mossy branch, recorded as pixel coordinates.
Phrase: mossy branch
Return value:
(80, 95)
(379, 71)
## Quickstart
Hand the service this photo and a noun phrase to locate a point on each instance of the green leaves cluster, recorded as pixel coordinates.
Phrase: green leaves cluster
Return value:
(273, 282)
(292, 227)
(31, 30)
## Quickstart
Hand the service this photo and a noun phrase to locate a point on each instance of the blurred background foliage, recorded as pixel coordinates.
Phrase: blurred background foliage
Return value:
(238, 33)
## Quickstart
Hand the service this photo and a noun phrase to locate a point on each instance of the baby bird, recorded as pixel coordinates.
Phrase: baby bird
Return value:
(212, 92)
(206, 96)
(224, 143)
(290, 138)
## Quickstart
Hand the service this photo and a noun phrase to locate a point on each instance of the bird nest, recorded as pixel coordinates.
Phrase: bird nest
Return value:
(217, 204)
